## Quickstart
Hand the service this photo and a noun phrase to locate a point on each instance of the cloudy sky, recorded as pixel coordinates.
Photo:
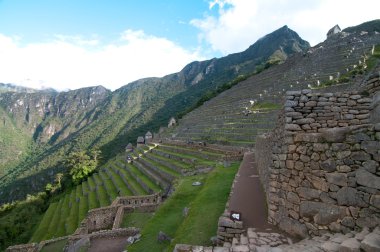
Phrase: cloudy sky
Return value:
(68, 44)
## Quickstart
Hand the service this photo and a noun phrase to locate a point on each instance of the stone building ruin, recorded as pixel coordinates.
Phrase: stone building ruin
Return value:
(335, 30)
(172, 122)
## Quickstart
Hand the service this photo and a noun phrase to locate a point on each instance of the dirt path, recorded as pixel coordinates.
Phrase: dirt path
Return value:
(248, 196)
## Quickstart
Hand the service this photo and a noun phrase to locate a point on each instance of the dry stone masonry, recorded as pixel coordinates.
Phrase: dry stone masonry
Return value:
(324, 173)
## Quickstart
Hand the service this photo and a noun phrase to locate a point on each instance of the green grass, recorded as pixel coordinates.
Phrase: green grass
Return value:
(162, 167)
(173, 161)
(108, 184)
(72, 219)
(199, 160)
(136, 219)
(44, 224)
(144, 178)
(131, 181)
(201, 222)
(103, 196)
(93, 200)
(83, 208)
(206, 204)
(54, 247)
(60, 229)
(91, 183)
(120, 184)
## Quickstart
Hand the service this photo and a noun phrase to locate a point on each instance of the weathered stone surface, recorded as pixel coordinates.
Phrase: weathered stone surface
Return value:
(308, 137)
(305, 121)
(350, 245)
(321, 212)
(371, 243)
(370, 165)
(292, 127)
(290, 103)
(293, 198)
(348, 196)
(371, 147)
(360, 156)
(330, 246)
(240, 248)
(221, 249)
(348, 222)
(366, 178)
(308, 193)
(339, 179)
(375, 201)
(334, 135)
(293, 227)
(226, 222)
(329, 165)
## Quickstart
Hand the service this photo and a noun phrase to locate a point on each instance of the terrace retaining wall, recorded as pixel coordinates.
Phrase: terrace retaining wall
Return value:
(322, 173)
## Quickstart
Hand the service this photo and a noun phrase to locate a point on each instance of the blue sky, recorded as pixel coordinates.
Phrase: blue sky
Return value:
(68, 44)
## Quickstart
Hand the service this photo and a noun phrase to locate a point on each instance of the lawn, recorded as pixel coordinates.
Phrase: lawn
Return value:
(206, 203)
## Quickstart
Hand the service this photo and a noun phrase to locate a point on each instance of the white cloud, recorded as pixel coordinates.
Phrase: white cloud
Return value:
(73, 61)
(239, 23)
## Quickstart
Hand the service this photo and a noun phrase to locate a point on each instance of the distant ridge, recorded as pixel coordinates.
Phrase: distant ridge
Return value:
(370, 27)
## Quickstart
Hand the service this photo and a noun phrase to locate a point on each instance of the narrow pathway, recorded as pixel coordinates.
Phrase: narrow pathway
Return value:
(248, 196)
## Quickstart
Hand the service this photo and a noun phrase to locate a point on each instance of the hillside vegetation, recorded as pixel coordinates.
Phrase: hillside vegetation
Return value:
(59, 123)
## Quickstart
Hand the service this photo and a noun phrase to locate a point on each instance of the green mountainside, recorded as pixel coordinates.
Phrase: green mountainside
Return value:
(56, 123)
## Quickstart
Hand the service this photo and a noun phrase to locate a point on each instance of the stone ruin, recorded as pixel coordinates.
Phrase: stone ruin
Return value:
(335, 30)
(172, 122)
(103, 222)
(321, 175)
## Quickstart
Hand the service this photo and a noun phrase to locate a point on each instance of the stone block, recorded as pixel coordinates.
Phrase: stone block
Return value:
(348, 222)
(339, 179)
(343, 154)
(308, 137)
(371, 243)
(371, 147)
(320, 184)
(305, 121)
(334, 134)
(348, 196)
(293, 227)
(292, 127)
(293, 198)
(319, 147)
(330, 246)
(375, 201)
(350, 245)
(368, 179)
(329, 165)
(322, 213)
(308, 193)
(360, 156)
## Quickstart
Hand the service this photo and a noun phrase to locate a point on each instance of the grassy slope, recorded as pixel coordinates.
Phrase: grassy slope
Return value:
(206, 204)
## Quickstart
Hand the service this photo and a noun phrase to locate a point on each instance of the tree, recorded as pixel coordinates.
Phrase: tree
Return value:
(81, 165)
(58, 179)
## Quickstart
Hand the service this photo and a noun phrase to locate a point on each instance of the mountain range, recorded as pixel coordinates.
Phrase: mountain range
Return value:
(39, 128)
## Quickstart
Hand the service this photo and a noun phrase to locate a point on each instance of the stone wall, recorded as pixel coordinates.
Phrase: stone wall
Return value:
(31, 247)
(324, 171)
(138, 201)
(101, 218)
